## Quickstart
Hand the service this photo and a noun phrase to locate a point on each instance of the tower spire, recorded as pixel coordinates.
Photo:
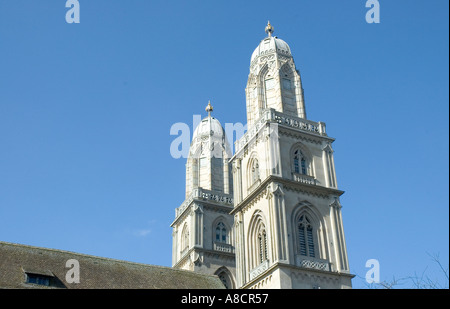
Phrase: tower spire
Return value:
(269, 29)
(209, 108)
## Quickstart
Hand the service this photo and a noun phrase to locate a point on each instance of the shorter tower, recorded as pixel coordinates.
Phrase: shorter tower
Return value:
(203, 240)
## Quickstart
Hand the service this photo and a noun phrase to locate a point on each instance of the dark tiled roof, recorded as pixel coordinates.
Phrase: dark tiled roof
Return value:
(95, 272)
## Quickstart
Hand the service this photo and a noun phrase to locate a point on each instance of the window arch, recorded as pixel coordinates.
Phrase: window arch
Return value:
(258, 241)
(225, 276)
(301, 164)
(301, 160)
(310, 237)
(305, 236)
(221, 233)
(225, 280)
(185, 238)
(254, 171)
(263, 76)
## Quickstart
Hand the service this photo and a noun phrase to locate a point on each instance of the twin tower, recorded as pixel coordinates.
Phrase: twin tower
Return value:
(269, 215)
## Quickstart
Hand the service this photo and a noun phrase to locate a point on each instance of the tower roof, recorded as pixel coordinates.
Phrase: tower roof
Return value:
(209, 126)
(271, 44)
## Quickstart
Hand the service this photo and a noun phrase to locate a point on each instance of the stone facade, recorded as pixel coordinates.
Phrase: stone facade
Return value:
(276, 197)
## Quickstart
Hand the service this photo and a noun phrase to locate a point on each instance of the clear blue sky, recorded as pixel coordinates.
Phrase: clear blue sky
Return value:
(86, 111)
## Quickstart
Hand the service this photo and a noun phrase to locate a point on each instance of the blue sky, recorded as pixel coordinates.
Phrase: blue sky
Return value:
(86, 111)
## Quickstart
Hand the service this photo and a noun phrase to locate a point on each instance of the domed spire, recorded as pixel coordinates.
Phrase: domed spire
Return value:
(274, 81)
(269, 29)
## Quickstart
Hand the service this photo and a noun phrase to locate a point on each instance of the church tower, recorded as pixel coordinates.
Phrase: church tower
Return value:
(203, 239)
(287, 212)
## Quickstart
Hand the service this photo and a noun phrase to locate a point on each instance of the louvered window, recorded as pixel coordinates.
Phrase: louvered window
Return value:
(262, 242)
(309, 232)
(306, 237)
(301, 235)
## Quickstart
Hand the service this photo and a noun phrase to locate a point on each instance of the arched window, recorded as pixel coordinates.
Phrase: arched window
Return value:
(221, 233)
(301, 165)
(255, 171)
(224, 278)
(306, 237)
(258, 249)
(224, 275)
(185, 238)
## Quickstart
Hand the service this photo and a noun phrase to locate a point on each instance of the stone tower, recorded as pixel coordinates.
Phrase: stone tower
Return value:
(287, 213)
(203, 238)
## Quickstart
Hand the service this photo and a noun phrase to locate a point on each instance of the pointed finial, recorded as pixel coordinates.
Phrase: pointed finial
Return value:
(269, 29)
(209, 108)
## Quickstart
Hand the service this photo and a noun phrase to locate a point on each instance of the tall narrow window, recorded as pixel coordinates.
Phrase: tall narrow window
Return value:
(221, 233)
(185, 238)
(301, 237)
(270, 84)
(262, 242)
(258, 242)
(300, 163)
(306, 237)
(296, 163)
(309, 235)
(303, 165)
(287, 84)
(255, 171)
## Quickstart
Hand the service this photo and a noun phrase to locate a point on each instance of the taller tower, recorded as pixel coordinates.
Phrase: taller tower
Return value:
(273, 81)
(287, 212)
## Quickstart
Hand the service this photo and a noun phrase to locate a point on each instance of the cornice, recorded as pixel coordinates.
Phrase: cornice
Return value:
(302, 135)
(297, 127)
(207, 252)
(333, 275)
(263, 189)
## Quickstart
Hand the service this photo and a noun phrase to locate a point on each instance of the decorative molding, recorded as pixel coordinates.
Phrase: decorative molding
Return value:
(306, 191)
(328, 148)
(307, 262)
(302, 178)
(299, 136)
(254, 186)
(288, 184)
(197, 208)
(222, 209)
(261, 192)
(315, 130)
(336, 203)
(258, 270)
(262, 283)
(223, 247)
(277, 189)
(196, 258)
(202, 195)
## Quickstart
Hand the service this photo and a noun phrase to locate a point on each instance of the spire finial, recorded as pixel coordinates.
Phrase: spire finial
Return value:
(209, 108)
(269, 29)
